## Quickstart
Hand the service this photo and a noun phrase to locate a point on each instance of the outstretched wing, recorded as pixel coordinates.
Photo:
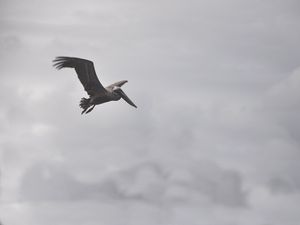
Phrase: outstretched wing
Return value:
(85, 71)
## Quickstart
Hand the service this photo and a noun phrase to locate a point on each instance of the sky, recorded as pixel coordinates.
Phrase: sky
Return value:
(215, 137)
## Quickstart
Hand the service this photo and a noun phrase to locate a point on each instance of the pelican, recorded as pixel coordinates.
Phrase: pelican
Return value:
(87, 75)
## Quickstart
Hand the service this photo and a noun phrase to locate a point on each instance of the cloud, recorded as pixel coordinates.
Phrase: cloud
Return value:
(212, 81)
(9, 43)
(284, 184)
(281, 103)
(41, 183)
(284, 95)
(147, 182)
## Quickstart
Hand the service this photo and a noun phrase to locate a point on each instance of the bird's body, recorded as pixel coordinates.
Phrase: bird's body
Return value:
(97, 93)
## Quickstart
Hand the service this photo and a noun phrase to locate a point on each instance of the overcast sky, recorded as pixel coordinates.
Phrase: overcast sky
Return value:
(215, 137)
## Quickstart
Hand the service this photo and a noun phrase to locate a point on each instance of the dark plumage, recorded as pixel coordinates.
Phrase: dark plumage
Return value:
(87, 75)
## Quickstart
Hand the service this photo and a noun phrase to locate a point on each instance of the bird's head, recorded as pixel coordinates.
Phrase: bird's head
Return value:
(117, 90)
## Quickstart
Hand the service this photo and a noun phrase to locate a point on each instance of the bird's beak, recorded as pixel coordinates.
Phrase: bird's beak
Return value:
(125, 97)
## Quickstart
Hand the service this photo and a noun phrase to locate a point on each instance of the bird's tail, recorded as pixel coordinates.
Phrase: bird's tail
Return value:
(84, 104)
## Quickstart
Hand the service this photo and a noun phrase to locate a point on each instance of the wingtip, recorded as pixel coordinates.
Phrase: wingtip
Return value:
(59, 62)
(57, 58)
(60, 58)
(57, 66)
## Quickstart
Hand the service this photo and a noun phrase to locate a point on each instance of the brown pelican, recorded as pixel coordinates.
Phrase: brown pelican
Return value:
(87, 75)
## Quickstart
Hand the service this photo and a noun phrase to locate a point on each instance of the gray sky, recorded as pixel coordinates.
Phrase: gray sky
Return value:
(215, 138)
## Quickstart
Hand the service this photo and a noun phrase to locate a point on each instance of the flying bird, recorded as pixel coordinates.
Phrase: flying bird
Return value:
(87, 75)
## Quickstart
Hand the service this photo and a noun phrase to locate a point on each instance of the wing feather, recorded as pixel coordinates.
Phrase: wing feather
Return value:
(85, 71)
